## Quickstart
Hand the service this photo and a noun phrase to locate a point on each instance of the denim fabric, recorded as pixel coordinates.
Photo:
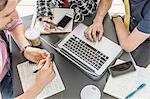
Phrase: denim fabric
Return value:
(140, 15)
(6, 87)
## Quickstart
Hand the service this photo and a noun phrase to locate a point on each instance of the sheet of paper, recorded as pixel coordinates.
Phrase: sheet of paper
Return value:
(27, 78)
(58, 14)
(121, 86)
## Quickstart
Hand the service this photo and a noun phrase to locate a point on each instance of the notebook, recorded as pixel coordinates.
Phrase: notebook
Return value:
(121, 86)
(27, 78)
(58, 14)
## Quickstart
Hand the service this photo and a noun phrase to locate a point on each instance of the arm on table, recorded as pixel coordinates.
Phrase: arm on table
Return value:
(128, 41)
(97, 27)
(43, 77)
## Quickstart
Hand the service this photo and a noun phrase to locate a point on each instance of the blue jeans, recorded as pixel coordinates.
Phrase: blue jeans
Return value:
(6, 88)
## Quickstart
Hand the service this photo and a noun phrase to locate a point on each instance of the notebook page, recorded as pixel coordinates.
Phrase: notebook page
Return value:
(27, 78)
(121, 86)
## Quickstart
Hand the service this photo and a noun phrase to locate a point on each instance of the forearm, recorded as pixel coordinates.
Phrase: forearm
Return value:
(32, 92)
(121, 30)
(102, 10)
(19, 37)
(128, 41)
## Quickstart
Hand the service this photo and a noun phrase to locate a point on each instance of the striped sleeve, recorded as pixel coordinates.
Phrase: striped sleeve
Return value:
(14, 23)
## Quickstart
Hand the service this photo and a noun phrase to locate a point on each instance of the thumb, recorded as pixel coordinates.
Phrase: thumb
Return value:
(47, 63)
(41, 61)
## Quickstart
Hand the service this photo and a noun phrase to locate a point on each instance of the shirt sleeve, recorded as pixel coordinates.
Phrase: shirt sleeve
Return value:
(144, 24)
(14, 23)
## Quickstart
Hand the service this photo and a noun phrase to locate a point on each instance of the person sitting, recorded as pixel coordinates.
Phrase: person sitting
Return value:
(10, 21)
(133, 30)
(82, 8)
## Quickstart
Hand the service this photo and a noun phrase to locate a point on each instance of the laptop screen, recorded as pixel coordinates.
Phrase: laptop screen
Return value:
(54, 39)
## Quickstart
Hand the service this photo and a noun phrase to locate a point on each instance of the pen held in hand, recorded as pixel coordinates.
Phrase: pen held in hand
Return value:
(47, 21)
(52, 59)
(38, 69)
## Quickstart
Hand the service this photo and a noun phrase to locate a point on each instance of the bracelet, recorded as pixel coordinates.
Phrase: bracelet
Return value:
(24, 48)
(116, 15)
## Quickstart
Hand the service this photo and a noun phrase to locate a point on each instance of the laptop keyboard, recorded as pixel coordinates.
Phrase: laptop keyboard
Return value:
(87, 53)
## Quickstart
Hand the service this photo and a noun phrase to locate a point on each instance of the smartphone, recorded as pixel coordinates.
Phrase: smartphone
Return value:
(64, 21)
(120, 69)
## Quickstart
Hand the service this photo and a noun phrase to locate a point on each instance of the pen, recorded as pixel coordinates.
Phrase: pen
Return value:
(40, 19)
(52, 58)
(38, 69)
(132, 93)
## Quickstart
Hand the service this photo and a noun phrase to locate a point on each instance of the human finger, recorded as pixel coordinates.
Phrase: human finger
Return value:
(94, 34)
(45, 53)
(40, 64)
(47, 63)
(100, 35)
(89, 34)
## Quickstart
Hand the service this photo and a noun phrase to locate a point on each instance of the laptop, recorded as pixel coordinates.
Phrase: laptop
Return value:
(91, 57)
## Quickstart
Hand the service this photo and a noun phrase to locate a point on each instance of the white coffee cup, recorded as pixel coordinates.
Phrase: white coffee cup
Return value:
(33, 34)
(90, 92)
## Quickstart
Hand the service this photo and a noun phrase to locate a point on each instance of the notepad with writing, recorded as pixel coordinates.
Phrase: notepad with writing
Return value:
(58, 14)
(27, 77)
(121, 86)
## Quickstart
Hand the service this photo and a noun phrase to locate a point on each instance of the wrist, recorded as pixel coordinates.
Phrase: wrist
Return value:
(116, 17)
(34, 90)
(98, 19)
(22, 50)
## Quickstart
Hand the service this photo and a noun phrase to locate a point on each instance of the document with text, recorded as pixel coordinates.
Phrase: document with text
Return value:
(27, 77)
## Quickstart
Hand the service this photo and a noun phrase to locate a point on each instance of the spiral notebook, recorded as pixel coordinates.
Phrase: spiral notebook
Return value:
(58, 14)
(27, 78)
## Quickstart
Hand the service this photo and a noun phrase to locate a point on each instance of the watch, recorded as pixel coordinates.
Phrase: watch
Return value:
(115, 16)
(24, 48)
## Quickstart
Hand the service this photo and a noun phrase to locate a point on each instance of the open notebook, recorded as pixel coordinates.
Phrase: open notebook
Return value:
(58, 14)
(121, 86)
(27, 78)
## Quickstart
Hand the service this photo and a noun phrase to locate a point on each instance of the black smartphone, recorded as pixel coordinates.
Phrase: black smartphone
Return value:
(120, 69)
(64, 21)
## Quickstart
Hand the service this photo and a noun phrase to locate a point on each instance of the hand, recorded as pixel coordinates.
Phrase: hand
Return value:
(46, 73)
(94, 30)
(35, 54)
(44, 76)
(48, 25)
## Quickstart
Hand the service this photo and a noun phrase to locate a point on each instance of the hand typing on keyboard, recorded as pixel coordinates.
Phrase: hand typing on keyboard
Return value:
(94, 31)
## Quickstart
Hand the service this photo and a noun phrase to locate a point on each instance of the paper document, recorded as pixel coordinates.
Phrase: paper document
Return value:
(121, 86)
(27, 77)
(58, 14)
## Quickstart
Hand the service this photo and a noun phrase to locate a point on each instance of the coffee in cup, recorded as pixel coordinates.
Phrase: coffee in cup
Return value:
(33, 34)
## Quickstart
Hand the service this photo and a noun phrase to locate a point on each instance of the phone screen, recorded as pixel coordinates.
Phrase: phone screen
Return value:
(64, 21)
(121, 69)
